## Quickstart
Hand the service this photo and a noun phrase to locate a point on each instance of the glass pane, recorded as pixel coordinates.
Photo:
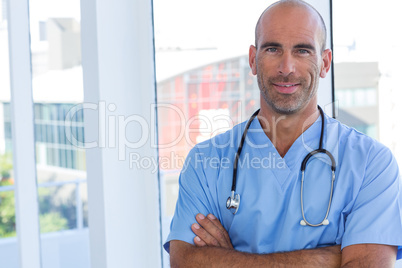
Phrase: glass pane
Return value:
(57, 88)
(204, 83)
(57, 209)
(62, 206)
(202, 72)
(366, 78)
(83, 190)
(9, 255)
(367, 70)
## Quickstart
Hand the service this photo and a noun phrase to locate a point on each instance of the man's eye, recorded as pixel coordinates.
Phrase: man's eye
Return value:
(303, 51)
(272, 49)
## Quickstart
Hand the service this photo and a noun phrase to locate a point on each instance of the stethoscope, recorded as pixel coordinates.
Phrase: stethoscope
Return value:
(233, 200)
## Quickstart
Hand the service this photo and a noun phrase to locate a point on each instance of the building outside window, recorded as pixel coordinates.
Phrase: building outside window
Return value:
(356, 94)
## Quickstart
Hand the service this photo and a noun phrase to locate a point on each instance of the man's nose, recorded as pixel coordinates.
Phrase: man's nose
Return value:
(286, 64)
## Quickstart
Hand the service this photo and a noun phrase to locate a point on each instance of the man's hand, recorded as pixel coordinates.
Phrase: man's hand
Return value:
(210, 232)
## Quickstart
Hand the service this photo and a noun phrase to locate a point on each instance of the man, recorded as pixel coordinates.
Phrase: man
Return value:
(365, 226)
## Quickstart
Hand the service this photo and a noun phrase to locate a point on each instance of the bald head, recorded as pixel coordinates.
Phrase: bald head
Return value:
(310, 11)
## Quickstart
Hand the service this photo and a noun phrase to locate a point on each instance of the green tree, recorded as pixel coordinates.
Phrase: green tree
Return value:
(7, 211)
(7, 201)
(50, 219)
(6, 166)
(52, 222)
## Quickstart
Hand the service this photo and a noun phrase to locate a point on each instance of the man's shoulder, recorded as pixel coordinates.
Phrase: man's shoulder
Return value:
(355, 142)
(350, 134)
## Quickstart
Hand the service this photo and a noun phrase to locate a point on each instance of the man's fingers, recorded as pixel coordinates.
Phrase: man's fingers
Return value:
(215, 230)
(206, 237)
(199, 242)
(218, 224)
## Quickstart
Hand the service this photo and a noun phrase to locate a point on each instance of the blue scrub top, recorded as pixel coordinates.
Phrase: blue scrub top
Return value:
(366, 205)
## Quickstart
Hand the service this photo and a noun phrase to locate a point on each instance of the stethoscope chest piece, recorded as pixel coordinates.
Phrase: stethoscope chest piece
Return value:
(233, 202)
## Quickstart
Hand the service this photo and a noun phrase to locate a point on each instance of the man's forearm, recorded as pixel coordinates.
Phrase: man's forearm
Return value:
(191, 256)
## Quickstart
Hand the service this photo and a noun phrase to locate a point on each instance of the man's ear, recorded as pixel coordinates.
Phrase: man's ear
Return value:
(251, 59)
(326, 62)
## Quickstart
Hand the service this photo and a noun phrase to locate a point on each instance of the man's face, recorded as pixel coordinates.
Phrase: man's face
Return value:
(288, 60)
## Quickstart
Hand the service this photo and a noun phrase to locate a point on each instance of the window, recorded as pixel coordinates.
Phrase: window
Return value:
(57, 83)
(205, 85)
(365, 77)
(57, 87)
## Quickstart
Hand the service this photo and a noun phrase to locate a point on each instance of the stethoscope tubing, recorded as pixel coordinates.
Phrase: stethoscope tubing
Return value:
(240, 148)
(233, 201)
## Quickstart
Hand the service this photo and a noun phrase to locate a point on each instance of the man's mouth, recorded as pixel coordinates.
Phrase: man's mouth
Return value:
(286, 88)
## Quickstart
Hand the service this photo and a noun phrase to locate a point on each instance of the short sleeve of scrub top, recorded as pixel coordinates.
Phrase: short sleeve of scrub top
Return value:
(193, 198)
(376, 213)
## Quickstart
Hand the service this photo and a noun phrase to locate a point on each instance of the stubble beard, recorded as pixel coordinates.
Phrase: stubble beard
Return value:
(286, 104)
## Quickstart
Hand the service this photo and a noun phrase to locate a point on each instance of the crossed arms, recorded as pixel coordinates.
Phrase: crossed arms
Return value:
(213, 248)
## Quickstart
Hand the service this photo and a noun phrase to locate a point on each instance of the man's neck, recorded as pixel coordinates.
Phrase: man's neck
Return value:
(283, 130)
